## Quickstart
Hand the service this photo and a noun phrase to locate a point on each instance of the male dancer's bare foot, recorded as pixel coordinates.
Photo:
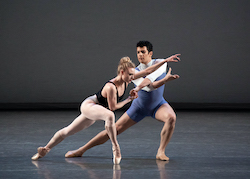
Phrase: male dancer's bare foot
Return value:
(162, 156)
(73, 153)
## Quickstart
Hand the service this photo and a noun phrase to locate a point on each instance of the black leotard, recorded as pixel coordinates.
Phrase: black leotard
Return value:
(103, 101)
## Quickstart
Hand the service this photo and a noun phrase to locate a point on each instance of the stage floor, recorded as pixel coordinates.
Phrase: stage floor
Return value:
(205, 144)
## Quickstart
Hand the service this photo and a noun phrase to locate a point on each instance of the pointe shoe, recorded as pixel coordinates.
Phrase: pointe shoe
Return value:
(116, 160)
(41, 152)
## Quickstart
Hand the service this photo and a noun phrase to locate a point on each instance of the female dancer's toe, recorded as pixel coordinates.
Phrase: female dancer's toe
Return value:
(116, 155)
(41, 152)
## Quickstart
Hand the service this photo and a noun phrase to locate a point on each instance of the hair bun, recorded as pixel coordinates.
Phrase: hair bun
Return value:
(125, 63)
(125, 60)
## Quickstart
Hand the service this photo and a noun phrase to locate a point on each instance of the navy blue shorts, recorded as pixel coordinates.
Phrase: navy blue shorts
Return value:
(137, 112)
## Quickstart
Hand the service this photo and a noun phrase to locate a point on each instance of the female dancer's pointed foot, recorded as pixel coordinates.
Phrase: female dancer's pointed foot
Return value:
(116, 160)
(41, 152)
(73, 153)
(116, 155)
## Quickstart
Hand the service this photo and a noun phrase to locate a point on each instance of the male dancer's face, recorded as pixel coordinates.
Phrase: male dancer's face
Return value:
(143, 55)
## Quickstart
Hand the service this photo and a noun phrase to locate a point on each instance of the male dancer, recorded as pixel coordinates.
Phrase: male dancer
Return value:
(149, 103)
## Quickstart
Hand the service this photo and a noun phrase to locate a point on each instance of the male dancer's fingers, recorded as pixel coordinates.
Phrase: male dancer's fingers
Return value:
(169, 71)
(176, 56)
(176, 76)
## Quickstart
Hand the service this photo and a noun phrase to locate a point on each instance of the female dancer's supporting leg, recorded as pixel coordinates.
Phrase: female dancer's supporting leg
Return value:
(90, 112)
(97, 112)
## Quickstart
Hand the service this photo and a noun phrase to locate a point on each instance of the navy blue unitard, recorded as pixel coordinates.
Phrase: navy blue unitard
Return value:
(147, 103)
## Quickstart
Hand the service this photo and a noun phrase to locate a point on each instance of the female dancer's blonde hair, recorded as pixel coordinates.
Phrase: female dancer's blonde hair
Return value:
(124, 64)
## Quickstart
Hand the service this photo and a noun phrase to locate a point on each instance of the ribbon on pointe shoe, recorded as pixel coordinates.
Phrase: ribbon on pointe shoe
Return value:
(116, 160)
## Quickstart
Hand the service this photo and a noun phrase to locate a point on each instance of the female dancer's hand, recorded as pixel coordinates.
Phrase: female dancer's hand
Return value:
(133, 94)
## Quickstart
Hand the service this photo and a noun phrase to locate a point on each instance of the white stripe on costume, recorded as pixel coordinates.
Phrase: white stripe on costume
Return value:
(153, 76)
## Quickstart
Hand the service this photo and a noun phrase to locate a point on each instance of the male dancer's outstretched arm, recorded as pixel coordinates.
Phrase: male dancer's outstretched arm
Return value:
(148, 80)
(155, 84)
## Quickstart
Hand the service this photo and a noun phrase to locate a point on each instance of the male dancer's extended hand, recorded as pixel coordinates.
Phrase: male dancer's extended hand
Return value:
(173, 58)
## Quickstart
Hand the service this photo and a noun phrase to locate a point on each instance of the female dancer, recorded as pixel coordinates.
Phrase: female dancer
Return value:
(100, 107)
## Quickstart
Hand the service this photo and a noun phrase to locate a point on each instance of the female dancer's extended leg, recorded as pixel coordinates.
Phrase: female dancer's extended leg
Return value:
(80, 123)
(90, 112)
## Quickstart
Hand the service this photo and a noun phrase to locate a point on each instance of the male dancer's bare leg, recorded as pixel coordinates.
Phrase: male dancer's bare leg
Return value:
(167, 115)
(123, 123)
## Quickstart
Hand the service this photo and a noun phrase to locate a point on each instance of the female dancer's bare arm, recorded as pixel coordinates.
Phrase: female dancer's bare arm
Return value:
(110, 91)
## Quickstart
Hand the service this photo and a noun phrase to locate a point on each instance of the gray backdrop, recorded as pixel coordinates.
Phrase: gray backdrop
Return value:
(63, 51)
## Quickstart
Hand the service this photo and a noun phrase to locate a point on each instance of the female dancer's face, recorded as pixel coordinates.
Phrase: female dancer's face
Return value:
(128, 75)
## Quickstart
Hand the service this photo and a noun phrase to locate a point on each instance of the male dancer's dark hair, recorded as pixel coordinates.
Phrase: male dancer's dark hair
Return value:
(145, 43)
